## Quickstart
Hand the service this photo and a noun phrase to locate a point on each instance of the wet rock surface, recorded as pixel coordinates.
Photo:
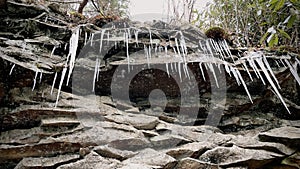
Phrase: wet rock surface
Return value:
(92, 130)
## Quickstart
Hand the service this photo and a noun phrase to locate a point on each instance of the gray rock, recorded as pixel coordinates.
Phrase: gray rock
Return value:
(37, 150)
(131, 144)
(293, 160)
(289, 136)
(99, 135)
(109, 152)
(193, 150)
(59, 122)
(46, 162)
(152, 158)
(139, 166)
(139, 121)
(254, 143)
(167, 141)
(21, 136)
(192, 163)
(233, 156)
(148, 133)
(93, 161)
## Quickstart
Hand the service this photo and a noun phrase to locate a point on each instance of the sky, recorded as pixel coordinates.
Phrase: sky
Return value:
(147, 10)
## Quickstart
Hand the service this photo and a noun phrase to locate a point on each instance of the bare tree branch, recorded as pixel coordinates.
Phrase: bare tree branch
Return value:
(82, 5)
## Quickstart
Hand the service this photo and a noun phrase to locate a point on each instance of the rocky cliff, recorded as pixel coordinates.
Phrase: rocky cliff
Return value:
(109, 113)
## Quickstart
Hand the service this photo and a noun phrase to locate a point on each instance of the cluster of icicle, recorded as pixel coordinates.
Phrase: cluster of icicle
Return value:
(211, 54)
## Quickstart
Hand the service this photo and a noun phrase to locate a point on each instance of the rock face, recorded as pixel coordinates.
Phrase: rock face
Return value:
(85, 129)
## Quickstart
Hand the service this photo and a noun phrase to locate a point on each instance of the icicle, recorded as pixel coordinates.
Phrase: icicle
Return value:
(283, 63)
(60, 84)
(210, 66)
(177, 47)
(179, 71)
(12, 68)
(227, 49)
(183, 46)
(95, 74)
(175, 67)
(92, 39)
(147, 56)
(98, 70)
(244, 84)
(221, 47)
(215, 45)
(53, 51)
(219, 67)
(129, 33)
(136, 34)
(53, 83)
(172, 67)
(101, 40)
(227, 69)
(297, 61)
(41, 76)
(249, 74)
(66, 45)
(72, 51)
(270, 70)
(85, 38)
(236, 76)
(150, 36)
(202, 72)
(260, 63)
(34, 80)
(127, 51)
(174, 51)
(203, 48)
(167, 67)
(185, 68)
(166, 50)
(210, 52)
(276, 61)
(257, 72)
(293, 71)
(150, 56)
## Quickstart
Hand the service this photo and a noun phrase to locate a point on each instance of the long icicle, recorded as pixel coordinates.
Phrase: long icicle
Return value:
(35, 77)
(72, 51)
(53, 83)
(264, 69)
(202, 72)
(244, 84)
(127, 50)
(270, 70)
(293, 71)
(12, 68)
(167, 67)
(249, 74)
(210, 66)
(95, 74)
(63, 74)
(179, 71)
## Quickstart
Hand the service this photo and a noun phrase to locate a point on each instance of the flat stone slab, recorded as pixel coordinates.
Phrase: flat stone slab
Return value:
(152, 158)
(289, 136)
(46, 162)
(109, 152)
(59, 122)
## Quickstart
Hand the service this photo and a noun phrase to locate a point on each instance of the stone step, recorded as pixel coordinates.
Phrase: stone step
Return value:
(59, 122)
